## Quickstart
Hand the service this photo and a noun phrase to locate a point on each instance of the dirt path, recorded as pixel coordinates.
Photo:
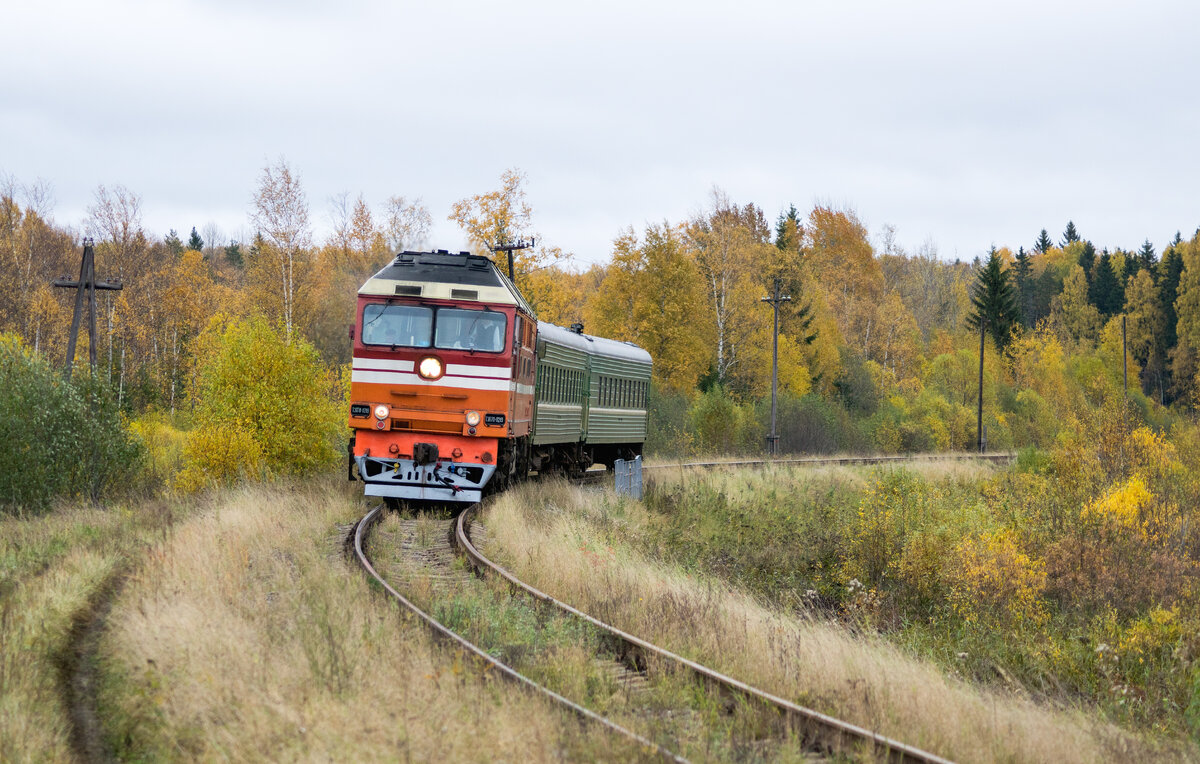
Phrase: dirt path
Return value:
(79, 674)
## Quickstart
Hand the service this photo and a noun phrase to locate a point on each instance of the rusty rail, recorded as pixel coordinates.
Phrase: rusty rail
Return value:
(832, 733)
(363, 526)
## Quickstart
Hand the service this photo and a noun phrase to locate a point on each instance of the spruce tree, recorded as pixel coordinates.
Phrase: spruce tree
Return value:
(173, 243)
(195, 242)
(1070, 234)
(1145, 255)
(787, 229)
(1087, 259)
(1105, 291)
(233, 253)
(1043, 243)
(994, 301)
(1024, 271)
(1170, 268)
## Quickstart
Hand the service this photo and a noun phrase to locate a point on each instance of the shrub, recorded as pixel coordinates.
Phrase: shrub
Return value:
(255, 386)
(163, 444)
(722, 425)
(995, 582)
(60, 439)
(218, 454)
(667, 423)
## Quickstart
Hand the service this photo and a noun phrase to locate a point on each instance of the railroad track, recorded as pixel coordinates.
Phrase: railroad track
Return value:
(818, 732)
(820, 461)
(357, 538)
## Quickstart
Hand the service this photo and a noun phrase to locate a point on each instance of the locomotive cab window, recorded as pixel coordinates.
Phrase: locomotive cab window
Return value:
(397, 325)
(481, 330)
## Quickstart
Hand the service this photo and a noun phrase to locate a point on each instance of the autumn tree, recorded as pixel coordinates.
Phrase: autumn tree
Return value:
(280, 213)
(652, 294)
(406, 224)
(500, 217)
(1077, 318)
(32, 252)
(731, 246)
(844, 263)
(994, 301)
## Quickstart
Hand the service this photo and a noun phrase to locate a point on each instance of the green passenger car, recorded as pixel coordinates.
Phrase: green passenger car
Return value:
(589, 400)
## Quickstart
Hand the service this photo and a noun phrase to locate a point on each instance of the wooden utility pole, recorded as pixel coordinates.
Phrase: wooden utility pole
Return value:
(86, 284)
(979, 415)
(519, 244)
(776, 301)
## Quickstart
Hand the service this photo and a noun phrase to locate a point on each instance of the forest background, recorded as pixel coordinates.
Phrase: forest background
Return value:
(1075, 574)
(878, 347)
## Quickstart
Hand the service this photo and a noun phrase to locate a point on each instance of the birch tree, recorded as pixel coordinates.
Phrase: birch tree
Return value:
(280, 214)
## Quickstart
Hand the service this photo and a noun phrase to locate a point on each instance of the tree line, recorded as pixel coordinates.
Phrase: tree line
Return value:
(876, 341)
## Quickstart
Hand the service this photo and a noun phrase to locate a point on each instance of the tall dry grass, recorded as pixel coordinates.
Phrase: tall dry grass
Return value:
(52, 569)
(569, 542)
(248, 637)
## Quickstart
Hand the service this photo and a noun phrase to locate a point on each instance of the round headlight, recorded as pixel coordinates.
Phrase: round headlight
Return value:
(473, 418)
(429, 368)
(381, 411)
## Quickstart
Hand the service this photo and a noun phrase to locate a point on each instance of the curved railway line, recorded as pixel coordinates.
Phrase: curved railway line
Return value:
(818, 732)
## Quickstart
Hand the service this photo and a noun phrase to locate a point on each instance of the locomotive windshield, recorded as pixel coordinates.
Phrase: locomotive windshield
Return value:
(470, 330)
(397, 325)
(412, 326)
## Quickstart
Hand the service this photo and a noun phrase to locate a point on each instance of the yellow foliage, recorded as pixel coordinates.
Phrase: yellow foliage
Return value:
(1150, 453)
(219, 454)
(1151, 633)
(994, 579)
(1122, 506)
(164, 447)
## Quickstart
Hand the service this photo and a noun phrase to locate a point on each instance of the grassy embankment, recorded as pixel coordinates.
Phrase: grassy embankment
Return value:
(246, 636)
(53, 570)
(667, 573)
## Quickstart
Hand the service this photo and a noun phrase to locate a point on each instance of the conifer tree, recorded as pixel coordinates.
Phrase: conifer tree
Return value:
(994, 300)
(1169, 270)
(1024, 283)
(1145, 255)
(1105, 290)
(195, 242)
(787, 229)
(1070, 234)
(1087, 260)
(173, 243)
(1043, 243)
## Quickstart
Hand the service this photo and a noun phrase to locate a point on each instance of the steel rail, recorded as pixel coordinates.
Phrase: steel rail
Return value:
(1000, 458)
(439, 630)
(822, 725)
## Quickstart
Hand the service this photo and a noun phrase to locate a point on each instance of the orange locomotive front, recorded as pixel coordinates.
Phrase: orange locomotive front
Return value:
(442, 383)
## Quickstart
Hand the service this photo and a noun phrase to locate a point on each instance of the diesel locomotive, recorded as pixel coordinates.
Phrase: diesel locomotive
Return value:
(457, 388)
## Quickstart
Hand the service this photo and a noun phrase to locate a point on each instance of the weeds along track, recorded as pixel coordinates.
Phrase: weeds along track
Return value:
(816, 732)
(427, 560)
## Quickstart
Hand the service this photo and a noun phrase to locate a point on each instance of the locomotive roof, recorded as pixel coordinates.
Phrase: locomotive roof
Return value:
(592, 345)
(446, 276)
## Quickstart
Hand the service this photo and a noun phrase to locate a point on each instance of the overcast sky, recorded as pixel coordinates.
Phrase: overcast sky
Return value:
(961, 124)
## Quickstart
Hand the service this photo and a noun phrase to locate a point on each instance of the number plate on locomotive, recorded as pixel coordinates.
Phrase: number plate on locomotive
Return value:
(493, 420)
(360, 410)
